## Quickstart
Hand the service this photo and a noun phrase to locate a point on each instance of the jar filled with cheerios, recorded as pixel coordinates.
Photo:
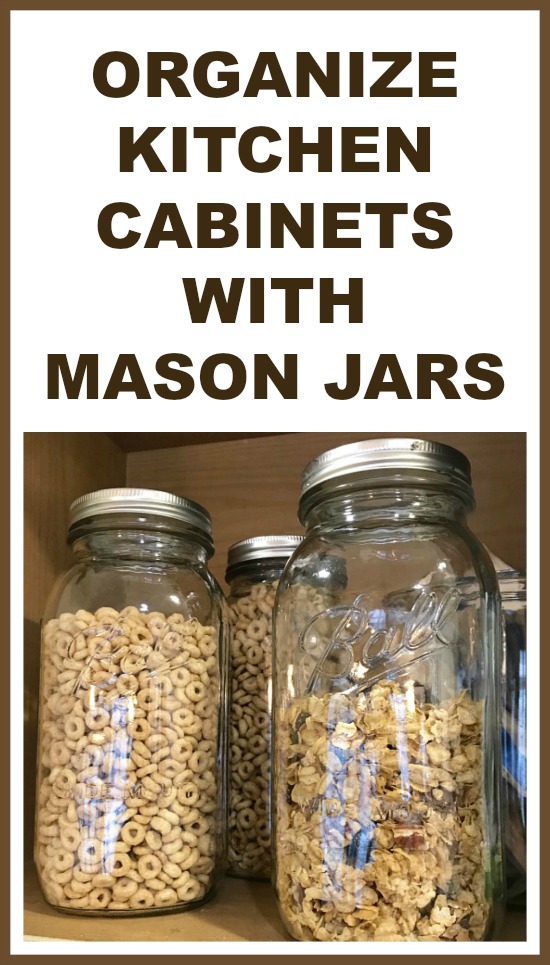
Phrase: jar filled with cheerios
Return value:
(386, 715)
(254, 567)
(131, 796)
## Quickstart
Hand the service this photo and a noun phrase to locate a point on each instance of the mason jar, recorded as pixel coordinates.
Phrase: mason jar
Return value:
(254, 567)
(131, 795)
(387, 816)
(513, 587)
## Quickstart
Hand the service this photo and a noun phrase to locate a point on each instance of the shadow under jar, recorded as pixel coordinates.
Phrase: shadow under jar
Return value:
(130, 792)
(387, 817)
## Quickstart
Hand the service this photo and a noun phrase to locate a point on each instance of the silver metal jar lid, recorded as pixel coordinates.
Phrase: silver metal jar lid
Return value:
(345, 465)
(151, 507)
(261, 548)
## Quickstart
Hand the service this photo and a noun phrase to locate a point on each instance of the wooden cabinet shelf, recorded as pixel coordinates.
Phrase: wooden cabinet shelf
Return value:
(241, 911)
(250, 483)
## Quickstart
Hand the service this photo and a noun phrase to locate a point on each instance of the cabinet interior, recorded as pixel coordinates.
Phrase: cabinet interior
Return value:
(250, 483)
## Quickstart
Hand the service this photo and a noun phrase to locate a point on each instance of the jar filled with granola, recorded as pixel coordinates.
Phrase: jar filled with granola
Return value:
(253, 570)
(387, 815)
(131, 790)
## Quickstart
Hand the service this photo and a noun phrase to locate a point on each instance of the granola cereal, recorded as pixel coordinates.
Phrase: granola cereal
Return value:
(380, 818)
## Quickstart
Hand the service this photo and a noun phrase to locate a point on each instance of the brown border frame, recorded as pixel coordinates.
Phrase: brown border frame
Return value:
(6, 6)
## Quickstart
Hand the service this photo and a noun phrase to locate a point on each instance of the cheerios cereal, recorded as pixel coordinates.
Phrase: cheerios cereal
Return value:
(127, 804)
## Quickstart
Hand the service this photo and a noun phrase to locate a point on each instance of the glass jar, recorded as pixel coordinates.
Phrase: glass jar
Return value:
(514, 750)
(387, 817)
(253, 570)
(131, 790)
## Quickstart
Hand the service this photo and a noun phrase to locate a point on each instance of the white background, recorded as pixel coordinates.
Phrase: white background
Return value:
(73, 295)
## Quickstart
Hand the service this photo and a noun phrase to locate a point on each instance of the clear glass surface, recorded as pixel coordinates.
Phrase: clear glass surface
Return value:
(387, 814)
(251, 601)
(131, 788)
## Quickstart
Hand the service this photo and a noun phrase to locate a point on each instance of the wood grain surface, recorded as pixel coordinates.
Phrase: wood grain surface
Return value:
(251, 486)
(134, 441)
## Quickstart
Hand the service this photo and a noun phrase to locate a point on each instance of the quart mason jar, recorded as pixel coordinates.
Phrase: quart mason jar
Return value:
(131, 786)
(253, 569)
(387, 818)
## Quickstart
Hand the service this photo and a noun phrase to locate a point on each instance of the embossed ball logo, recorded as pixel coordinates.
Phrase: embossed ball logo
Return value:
(355, 643)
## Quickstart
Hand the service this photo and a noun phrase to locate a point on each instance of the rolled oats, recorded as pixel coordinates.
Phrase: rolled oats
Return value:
(381, 817)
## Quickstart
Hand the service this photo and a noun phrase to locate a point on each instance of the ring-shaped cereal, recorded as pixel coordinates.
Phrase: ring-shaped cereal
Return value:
(64, 781)
(199, 762)
(245, 770)
(60, 754)
(167, 796)
(139, 728)
(163, 684)
(149, 866)
(153, 840)
(169, 768)
(63, 641)
(132, 663)
(62, 877)
(196, 666)
(149, 699)
(155, 622)
(97, 719)
(63, 860)
(257, 629)
(99, 898)
(124, 888)
(192, 890)
(254, 655)
(127, 684)
(159, 718)
(118, 864)
(132, 833)
(195, 691)
(183, 717)
(205, 709)
(188, 794)
(165, 897)
(160, 755)
(90, 853)
(181, 750)
(177, 621)
(200, 826)
(102, 880)
(70, 839)
(141, 636)
(80, 888)
(79, 902)
(141, 650)
(74, 727)
(142, 899)
(208, 647)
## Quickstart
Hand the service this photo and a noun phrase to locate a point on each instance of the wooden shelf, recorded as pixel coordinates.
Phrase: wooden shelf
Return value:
(241, 911)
